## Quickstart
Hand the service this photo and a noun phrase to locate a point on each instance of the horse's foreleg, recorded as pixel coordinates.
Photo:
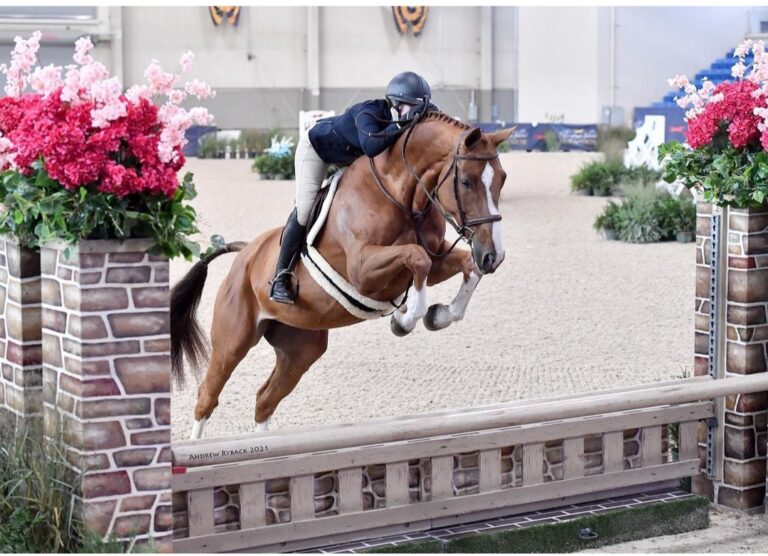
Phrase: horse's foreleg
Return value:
(441, 316)
(377, 265)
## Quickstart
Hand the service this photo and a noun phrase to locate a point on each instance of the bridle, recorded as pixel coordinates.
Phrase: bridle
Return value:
(465, 227)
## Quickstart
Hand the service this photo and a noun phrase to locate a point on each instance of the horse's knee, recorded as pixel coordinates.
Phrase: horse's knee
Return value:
(417, 260)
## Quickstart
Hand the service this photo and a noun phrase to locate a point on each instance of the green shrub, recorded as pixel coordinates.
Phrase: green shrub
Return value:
(210, 147)
(638, 222)
(643, 175)
(647, 215)
(274, 167)
(255, 141)
(551, 141)
(609, 218)
(595, 177)
(37, 512)
(612, 141)
(276, 163)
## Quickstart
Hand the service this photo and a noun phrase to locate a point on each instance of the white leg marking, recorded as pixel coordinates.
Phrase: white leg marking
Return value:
(487, 177)
(263, 426)
(416, 307)
(459, 304)
(447, 314)
(197, 429)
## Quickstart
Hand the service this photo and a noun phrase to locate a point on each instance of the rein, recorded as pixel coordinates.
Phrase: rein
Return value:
(464, 228)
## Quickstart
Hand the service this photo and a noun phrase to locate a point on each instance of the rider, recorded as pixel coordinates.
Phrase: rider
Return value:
(367, 128)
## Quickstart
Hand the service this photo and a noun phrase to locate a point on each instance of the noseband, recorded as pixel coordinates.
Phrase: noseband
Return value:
(465, 227)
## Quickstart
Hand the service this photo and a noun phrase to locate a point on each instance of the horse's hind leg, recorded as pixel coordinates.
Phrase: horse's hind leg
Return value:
(233, 333)
(295, 351)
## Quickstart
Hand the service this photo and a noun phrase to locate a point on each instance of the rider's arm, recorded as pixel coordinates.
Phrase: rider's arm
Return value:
(373, 139)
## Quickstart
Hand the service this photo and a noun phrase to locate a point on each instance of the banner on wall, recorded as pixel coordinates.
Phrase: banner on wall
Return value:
(529, 137)
(224, 14)
(575, 137)
(413, 17)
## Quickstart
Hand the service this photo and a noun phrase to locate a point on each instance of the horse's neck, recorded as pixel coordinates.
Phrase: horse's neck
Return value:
(427, 150)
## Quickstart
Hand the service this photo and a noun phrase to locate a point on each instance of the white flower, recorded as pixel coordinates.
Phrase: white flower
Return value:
(737, 70)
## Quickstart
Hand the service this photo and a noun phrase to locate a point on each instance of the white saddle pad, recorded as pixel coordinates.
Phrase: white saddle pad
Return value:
(333, 283)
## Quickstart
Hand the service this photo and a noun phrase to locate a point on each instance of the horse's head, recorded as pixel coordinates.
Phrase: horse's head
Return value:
(471, 183)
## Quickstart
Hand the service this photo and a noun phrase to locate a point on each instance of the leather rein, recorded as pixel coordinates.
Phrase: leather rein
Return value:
(465, 227)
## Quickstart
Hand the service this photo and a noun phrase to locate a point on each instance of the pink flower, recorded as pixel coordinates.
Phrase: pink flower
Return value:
(186, 61)
(83, 46)
(137, 93)
(199, 89)
(678, 82)
(743, 49)
(6, 153)
(23, 57)
(46, 80)
(176, 96)
(160, 82)
(200, 115)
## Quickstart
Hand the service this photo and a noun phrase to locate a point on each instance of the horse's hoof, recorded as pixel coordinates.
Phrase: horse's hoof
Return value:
(431, 319)
(397, 330)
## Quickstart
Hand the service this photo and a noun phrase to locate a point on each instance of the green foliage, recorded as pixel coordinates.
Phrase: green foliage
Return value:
(255, 140)
(274, 167)
(725, 175)
(39, 210)
(605, 178)
(612, 141)
(641, 174)
(600, 178)
(609, 218)
(37, 511)
(647, 215)
(211, 147)
(551, 141)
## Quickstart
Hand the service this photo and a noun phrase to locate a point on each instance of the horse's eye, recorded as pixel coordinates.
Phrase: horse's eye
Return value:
(466, 183)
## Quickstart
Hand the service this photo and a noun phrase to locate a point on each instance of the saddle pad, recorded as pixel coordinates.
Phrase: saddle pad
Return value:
(333, 283)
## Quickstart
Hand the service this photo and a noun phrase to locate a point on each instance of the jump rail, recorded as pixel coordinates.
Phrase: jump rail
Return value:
(286, 491)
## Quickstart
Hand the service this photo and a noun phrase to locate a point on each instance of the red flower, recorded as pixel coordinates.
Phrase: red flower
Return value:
(736, 109)
(121, 158)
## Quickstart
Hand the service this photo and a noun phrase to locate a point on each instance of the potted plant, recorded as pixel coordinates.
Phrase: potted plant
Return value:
(725, 157)
(89, 175)
(276, 163)
(608, 221)
(686, 221)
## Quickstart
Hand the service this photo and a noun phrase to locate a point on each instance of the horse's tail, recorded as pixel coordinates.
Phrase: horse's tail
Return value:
(186, 336)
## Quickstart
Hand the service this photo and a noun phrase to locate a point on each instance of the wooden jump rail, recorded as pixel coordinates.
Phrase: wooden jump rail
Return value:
(287, 491)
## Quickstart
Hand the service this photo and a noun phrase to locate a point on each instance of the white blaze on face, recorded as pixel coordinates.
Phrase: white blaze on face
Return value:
(487, 177)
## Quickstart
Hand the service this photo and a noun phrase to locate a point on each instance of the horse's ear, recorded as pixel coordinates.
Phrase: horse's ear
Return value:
(500, 135)
(472, 137)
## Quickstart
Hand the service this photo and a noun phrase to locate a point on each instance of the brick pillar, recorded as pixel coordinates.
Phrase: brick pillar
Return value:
(743, 430)
(21, 377)
(744, 468)
(106, 358)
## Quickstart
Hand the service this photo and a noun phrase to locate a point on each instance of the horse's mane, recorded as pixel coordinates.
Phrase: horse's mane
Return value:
(436, 115)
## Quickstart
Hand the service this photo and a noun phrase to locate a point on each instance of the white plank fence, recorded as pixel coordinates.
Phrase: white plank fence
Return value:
(287, 491)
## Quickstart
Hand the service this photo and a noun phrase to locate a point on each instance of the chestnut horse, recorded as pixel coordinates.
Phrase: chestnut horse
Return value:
(385, 234)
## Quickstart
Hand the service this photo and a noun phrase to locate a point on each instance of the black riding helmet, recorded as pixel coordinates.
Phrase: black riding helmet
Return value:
(408, 87)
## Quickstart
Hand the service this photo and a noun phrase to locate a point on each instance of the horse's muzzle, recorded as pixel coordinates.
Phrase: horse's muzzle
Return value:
(489, 261)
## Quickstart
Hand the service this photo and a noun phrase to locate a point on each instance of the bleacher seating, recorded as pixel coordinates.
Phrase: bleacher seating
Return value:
(718, 71)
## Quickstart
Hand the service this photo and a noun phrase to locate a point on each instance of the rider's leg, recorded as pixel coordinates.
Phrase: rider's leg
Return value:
(310, 172)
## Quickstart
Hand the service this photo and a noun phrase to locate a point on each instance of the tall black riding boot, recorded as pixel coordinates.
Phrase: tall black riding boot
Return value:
(292, 241)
